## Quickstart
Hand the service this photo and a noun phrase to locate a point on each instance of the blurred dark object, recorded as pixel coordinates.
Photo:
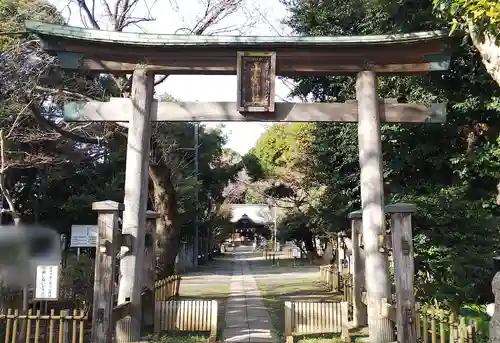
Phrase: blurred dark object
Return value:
(216, 252)
(23, 247)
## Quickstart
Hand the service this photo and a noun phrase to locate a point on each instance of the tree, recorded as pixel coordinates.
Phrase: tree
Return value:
(282, 153)
(27, 148)
(481, 20)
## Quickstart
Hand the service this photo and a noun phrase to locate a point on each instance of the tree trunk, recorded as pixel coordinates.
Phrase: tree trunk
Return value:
(489, 50)
(168, 232)
(498, 194)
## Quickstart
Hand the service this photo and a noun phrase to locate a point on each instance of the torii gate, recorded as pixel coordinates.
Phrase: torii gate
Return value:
(256, 61)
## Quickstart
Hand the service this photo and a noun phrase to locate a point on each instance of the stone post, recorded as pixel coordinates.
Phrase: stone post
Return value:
(495, 319)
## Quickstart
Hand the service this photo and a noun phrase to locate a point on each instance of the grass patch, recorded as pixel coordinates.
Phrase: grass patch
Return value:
(326, 339)
(206, 292)
(210, 282)
(283, 262)
(318, 339)
(276, 288)
(180, 338)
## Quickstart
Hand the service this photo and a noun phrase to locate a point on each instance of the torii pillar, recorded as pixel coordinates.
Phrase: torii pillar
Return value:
(135, 201)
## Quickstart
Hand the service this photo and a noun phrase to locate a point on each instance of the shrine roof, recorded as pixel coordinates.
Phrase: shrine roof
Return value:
(256, 213)
(182, 40)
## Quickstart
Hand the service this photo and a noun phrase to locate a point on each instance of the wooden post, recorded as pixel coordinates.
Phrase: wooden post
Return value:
(288, 322)
(340, 254)
(358, 274)
(128, 328)
(344, 310)
(105, 270)
(65, 326)
(402, 253)
(380, 329)
(213, 320)
(149, 271)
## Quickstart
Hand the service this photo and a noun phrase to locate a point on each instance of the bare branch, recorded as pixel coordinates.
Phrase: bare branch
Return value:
(88, 13)
(5, 191)
(64, 92)
(37, 113)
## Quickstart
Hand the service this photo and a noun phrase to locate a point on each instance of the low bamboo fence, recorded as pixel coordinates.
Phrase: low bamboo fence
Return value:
(331, 277)
(306, 318)
(167, 288)
(438, 326)
(187, 316)
(347, 293)
(39, 328)
(431, 325)
(67, 296)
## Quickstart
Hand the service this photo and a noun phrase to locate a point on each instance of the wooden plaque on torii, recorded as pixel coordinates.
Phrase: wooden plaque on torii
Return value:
(256, 73)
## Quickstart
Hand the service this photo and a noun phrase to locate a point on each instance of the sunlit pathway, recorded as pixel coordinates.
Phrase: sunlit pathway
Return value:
(246, 320)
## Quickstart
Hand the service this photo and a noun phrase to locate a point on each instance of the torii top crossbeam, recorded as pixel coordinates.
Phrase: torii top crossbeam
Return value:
(97, 50)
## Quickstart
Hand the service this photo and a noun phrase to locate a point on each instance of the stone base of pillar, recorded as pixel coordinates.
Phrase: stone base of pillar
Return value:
(495, 319)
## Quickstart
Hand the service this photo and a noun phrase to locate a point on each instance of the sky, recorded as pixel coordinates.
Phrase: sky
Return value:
(173, 15)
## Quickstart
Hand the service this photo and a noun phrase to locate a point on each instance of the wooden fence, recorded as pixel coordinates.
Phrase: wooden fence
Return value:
(268, 254)
(167, 288)
(348, 294)
(329, 274)
(38, 328)
(305, 318)
(64, 327)
(186, 315)
(433, 326)
(67, 295)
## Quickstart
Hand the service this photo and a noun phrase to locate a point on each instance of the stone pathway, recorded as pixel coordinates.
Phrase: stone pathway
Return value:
(246, 318)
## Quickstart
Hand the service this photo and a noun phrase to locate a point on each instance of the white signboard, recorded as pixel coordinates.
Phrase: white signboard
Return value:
(83, 236)
(295, 252)
(47, 282)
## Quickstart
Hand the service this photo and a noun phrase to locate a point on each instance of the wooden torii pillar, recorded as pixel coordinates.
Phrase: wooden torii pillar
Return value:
(372, 204)
(256, 61)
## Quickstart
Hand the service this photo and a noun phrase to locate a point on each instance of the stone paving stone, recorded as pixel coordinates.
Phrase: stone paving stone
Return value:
(246, 318)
